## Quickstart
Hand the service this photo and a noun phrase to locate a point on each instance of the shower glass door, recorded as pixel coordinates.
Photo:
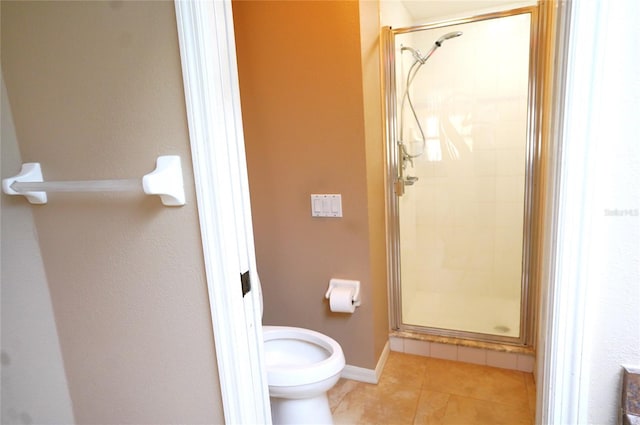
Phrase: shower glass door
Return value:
(462, 163)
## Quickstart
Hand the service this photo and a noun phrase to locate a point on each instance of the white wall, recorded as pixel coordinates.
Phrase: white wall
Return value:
(34, 385)
(590, 307)
(393, 13)
(424, 11)
(612, 275)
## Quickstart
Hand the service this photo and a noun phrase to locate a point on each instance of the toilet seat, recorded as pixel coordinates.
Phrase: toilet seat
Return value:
(298, 356)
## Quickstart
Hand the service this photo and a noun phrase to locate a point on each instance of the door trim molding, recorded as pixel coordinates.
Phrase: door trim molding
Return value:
(207, 50)
(564, 317)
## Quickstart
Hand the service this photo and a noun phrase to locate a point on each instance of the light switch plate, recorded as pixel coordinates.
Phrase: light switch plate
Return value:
(326, 205)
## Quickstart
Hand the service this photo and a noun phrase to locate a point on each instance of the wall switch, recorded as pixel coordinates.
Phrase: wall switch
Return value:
(329, 205)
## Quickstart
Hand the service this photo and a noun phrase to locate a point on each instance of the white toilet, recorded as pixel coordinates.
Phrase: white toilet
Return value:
(302, 365)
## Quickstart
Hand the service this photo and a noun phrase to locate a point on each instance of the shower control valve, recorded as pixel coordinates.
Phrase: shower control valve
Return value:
(409, 180)
(402, 182)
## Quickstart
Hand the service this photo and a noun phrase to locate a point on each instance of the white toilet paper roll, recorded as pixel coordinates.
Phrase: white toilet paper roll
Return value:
(341, 300)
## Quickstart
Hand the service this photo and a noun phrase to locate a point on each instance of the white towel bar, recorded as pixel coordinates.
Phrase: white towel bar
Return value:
(165, 181)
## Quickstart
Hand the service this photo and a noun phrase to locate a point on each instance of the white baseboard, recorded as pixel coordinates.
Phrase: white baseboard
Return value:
(370, 376)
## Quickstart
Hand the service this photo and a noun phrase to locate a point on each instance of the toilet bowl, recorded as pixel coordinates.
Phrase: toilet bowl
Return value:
(302, 365)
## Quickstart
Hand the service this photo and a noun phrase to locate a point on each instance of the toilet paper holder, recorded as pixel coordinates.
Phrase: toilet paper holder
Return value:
(344, 283)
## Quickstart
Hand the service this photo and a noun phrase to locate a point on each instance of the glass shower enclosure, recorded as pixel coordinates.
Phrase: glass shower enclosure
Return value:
(461, 149)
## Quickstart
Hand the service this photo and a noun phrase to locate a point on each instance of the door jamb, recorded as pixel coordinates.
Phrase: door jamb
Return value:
(209, 67)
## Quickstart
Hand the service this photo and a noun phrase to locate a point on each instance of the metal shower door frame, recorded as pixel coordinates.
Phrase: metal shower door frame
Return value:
(532, 192)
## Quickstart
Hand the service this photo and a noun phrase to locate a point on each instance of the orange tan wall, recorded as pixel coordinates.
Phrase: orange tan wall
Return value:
(376, 165)
(307, 131)
(96, 93)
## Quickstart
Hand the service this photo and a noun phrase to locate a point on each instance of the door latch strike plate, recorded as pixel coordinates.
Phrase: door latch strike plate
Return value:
(399, 187)
(246, 282)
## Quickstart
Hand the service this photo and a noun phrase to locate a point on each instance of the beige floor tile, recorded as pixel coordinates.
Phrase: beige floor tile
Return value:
(397, 408)
(477, 381)
(337, 393)
(428, 391)
(351, 408)
(404, 369)
(378, 404)
(432, 406)
(531, 392)
(464, 410)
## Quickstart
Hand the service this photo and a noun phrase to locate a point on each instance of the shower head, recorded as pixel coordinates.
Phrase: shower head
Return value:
(448, 36)
(419, 57)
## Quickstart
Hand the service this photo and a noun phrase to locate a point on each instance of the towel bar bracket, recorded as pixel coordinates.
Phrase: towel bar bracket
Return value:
(30, 172)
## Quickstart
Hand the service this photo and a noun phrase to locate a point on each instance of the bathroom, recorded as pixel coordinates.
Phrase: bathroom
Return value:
(333, 145)
(131, 327)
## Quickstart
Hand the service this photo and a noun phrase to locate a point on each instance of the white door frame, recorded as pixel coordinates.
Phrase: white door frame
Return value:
(564, 340)
(209, 68)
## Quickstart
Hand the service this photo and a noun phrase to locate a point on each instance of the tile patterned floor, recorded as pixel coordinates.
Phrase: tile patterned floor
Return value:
(426, 390)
